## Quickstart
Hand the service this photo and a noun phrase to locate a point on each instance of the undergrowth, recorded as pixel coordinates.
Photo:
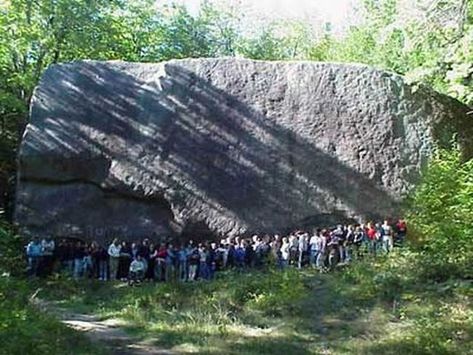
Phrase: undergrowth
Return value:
(374, 306)
(24, 329)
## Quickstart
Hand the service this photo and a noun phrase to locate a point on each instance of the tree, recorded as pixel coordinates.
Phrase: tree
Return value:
(283, 40)
(441, 210)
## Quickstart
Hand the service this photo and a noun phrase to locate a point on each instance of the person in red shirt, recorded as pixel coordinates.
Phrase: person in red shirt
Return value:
(372, 238)
(160, 263)
(401, 231)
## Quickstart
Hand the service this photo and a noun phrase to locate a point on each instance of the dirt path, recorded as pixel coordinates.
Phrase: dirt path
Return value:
(108, 333)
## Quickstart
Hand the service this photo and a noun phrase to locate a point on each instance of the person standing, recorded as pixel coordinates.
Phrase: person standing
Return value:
(124, 261)
(338, 235)
(222, 255)
(231, 255)
(151, 258)
(102, 261)
(314, 248)
(379, 236)
(48, 247)
(358, 239)
(322, 250)
(240, 251)
(276, 249)
(372, 238)
(33, 252)
(170, 263)
(349, 242)
(293, 248)
(144, 251)
(79, 254)
(401, 231)
(69, 258)
(183, 267)
(285, 252)
(94, 255)
(250, 255)
(160, 265)
(303, 244)
(114, 254)
(387, 236)
(333, 249)
(203, 269)
(194, 260)
(60, 256)
(87, 261)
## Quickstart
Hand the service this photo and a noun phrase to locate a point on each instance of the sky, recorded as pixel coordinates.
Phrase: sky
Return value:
(340, 13)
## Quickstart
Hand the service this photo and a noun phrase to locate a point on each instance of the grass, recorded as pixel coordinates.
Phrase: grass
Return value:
(381, 306)
(26, 330)
(233, 310)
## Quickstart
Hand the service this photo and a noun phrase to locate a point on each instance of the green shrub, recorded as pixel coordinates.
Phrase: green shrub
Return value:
(26, 330)
(441, 214)
(12, 260)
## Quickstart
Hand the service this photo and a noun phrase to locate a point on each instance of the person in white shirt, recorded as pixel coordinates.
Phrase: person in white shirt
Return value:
(256, 241)
(293, 248)
(222, 250)
(387, 238)
(314, 248)
(285, 252)
(303, 243)
(114, 254)
(321, 250)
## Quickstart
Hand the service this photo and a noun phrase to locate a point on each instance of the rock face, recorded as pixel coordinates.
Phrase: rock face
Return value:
(222, 146)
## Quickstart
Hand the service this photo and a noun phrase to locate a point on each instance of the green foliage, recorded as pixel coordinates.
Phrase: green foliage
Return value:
(199, 313)
(375, 306)
(441, 211)
(284, 40)
(411, 313)
(26, 330)
(12, 260)
(422, 48)
(267, 292)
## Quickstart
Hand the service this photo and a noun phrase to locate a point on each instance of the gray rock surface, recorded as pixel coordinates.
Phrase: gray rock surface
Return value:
(222, 146)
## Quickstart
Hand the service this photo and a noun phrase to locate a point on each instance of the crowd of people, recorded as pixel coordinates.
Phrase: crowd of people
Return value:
(321, 249)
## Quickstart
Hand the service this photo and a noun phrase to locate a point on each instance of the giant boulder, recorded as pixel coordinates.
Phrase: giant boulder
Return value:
(222, 146)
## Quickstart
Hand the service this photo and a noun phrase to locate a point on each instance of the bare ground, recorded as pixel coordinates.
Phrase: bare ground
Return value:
(107, 333)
